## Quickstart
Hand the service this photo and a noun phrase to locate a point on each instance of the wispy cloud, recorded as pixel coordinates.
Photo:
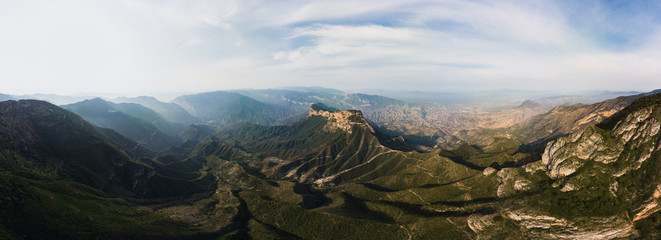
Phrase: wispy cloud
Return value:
(131, 45)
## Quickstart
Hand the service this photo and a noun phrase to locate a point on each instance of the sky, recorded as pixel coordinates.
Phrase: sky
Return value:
(149, 47)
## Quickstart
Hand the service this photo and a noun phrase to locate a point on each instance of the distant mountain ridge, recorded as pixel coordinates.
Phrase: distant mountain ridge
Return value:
(563, 120)
(423, 125)
(54, 98)
(131, 120)
(222, 108)
(61, 143)
(62, 178)
(5, 97)
(170, 111)
(333, 173)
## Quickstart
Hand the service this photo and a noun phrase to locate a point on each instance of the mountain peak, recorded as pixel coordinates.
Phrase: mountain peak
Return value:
(133, 99)
(529, 104)
(338, 119)
(96, 99)
(655, 91)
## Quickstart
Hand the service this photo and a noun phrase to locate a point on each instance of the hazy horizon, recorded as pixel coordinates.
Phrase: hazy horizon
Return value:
(132, 48)
(397, 94)
(330, 119)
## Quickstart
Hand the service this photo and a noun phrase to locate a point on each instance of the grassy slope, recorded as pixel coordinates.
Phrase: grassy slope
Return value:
(53, 166)
(61, 209)
(421, 194)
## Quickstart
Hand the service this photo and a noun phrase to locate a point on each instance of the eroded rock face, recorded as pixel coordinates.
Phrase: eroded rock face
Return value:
(548, 227)
(541, 226)
(510, 182)
(342, 120)
(564, 156)
(478, 223)
(595, 159)
(488, 171)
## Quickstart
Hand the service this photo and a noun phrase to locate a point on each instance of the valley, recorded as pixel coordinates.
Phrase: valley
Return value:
(317, 163)
(330, 120)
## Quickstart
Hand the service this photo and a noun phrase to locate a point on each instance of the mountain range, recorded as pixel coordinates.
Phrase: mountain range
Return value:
(169, 111)
(316, 163)
(139, 123)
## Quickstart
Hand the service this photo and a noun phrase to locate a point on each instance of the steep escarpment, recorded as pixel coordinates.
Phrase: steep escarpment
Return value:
(629, 139)
(336, 119)
(328, 146)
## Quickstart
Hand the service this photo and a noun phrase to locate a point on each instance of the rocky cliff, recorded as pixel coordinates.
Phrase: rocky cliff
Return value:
(343, 120)
(612, 169)
(629, 139)
(564, 120)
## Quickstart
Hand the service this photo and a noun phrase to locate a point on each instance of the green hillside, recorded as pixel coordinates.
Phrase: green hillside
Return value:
(62, 179)
(330, 175)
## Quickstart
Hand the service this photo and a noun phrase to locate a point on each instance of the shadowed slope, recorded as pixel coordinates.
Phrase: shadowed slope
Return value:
(40, 138)
(109, 115)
